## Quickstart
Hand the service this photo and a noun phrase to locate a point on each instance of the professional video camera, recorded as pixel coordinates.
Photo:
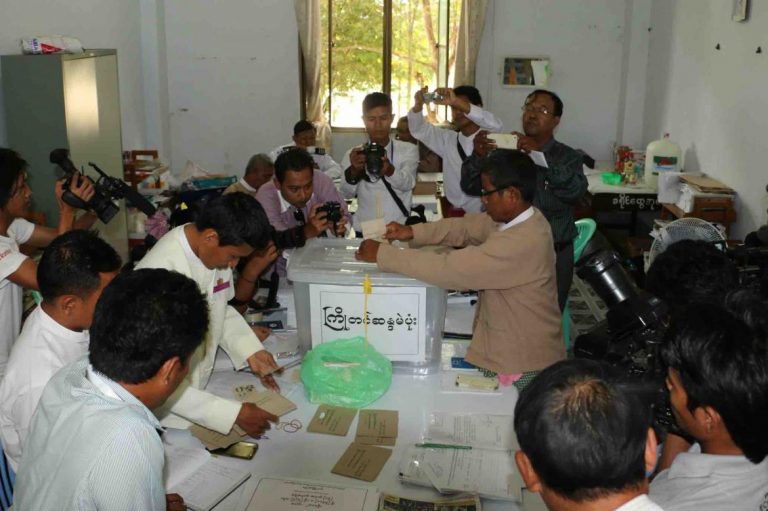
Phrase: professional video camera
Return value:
(106, 188)
(373, 158)
(333, 213)
(632, 333)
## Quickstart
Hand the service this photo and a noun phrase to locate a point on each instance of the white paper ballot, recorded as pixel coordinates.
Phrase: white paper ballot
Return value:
(278, 494)
(374, 229)
(538, 158)
(481, 431)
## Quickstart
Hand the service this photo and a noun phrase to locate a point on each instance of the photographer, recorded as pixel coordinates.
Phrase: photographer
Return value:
(382, 173)
(17, 271)
(454, 146)
(295, 197)
(717, 376)
(305, 137)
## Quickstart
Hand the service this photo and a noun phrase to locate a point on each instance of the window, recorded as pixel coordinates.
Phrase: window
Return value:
(394, 46)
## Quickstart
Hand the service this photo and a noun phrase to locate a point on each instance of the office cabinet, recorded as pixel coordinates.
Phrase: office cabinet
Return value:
(69, 101)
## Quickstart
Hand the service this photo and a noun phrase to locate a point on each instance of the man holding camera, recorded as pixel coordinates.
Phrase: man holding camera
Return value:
(17, 271)
(382, 173)
(559, 185)
(302, 199)
(305, 137)
(453, 147)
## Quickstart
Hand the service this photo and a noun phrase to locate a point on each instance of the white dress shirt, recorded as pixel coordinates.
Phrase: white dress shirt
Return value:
(325, 163)
(710, 482)
(43, 348)
(92, 446)
(640, 503)
(443, 143)
(519, 219)
(226, 328)
(373, 198)
(19, 232)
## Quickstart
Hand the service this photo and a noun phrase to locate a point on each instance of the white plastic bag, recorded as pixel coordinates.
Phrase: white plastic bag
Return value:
(45, 45)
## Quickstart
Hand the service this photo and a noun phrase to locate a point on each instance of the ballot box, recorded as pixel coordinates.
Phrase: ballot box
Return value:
(404, 317)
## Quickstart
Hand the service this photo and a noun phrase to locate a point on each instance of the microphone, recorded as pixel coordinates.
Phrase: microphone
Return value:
(60, 157)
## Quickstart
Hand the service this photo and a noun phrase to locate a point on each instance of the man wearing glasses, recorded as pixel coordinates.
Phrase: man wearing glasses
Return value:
(559, 185)
(506, 254)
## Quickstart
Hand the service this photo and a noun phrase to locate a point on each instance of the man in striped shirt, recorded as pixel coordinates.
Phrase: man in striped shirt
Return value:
(94, 443)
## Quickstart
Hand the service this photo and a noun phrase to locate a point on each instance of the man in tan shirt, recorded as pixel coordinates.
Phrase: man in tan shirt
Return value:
(259, 170)
(506, 253)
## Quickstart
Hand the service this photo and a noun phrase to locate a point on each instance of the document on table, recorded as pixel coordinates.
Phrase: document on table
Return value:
(362, 462)
(213, 439)
(279, 494)
(538, 158)
(267, 400)
(332, 420)
(377, 427)
(490, 474)
(202, 480)
(481, 431)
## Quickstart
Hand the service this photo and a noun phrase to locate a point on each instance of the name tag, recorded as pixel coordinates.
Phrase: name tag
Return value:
(221, 285)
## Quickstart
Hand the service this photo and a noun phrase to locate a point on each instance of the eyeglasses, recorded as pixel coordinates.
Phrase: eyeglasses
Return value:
(536, 109)
(486, 193)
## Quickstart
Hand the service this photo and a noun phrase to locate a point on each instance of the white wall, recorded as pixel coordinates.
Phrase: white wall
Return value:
(233, 79)
(113, 24)
(712, 102)
(586, 42)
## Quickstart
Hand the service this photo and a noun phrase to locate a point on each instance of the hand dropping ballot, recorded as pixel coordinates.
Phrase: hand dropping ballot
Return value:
(374, 229)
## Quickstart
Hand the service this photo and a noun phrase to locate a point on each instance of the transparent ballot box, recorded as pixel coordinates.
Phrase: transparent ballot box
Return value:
(405, 317)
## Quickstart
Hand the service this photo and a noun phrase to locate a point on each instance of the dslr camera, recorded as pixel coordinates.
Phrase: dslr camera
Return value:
(373, 158)
(106, 190)
(332, 210)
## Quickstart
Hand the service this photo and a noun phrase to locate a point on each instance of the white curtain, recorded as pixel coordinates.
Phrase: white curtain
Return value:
(471, 27)
(310, 37)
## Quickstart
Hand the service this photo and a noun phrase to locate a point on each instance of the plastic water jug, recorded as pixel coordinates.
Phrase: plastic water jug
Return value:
(661, 156)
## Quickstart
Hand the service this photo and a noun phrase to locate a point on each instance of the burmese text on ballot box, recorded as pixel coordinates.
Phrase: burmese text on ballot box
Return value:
(405, 317)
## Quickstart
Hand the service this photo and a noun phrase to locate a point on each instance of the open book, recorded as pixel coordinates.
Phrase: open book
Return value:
(466, 453)
(202, 480)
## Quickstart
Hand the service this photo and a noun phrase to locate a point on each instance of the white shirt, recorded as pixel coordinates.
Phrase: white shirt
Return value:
(443, 143)
(11, 259)
(710, 482)
(43, 348)
(519, 219)
(92, 446)
(226, 328)
(324, 162)
(373, 199)
(640, 503)
(248, 187)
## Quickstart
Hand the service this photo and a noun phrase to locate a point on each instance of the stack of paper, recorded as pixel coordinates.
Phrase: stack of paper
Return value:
(466, 453)
(202, 480)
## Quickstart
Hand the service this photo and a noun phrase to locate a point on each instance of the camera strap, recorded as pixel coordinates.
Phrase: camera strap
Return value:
(395, 198)
(462, 152)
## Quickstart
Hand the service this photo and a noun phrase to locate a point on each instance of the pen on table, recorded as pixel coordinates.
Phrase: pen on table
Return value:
(444, 446)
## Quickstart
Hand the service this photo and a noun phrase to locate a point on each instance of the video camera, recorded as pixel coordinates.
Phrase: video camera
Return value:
(106, 188)
(631, 335)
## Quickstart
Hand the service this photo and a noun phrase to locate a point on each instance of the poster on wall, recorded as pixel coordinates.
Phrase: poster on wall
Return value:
(740, 10)
(396, 318)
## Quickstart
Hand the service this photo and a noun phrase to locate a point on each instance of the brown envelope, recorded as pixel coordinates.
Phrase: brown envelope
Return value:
(362, 462)
(377, 427)
(332, 420)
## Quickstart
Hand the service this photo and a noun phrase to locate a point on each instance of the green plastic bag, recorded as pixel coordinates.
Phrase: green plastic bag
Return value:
(346, 372)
